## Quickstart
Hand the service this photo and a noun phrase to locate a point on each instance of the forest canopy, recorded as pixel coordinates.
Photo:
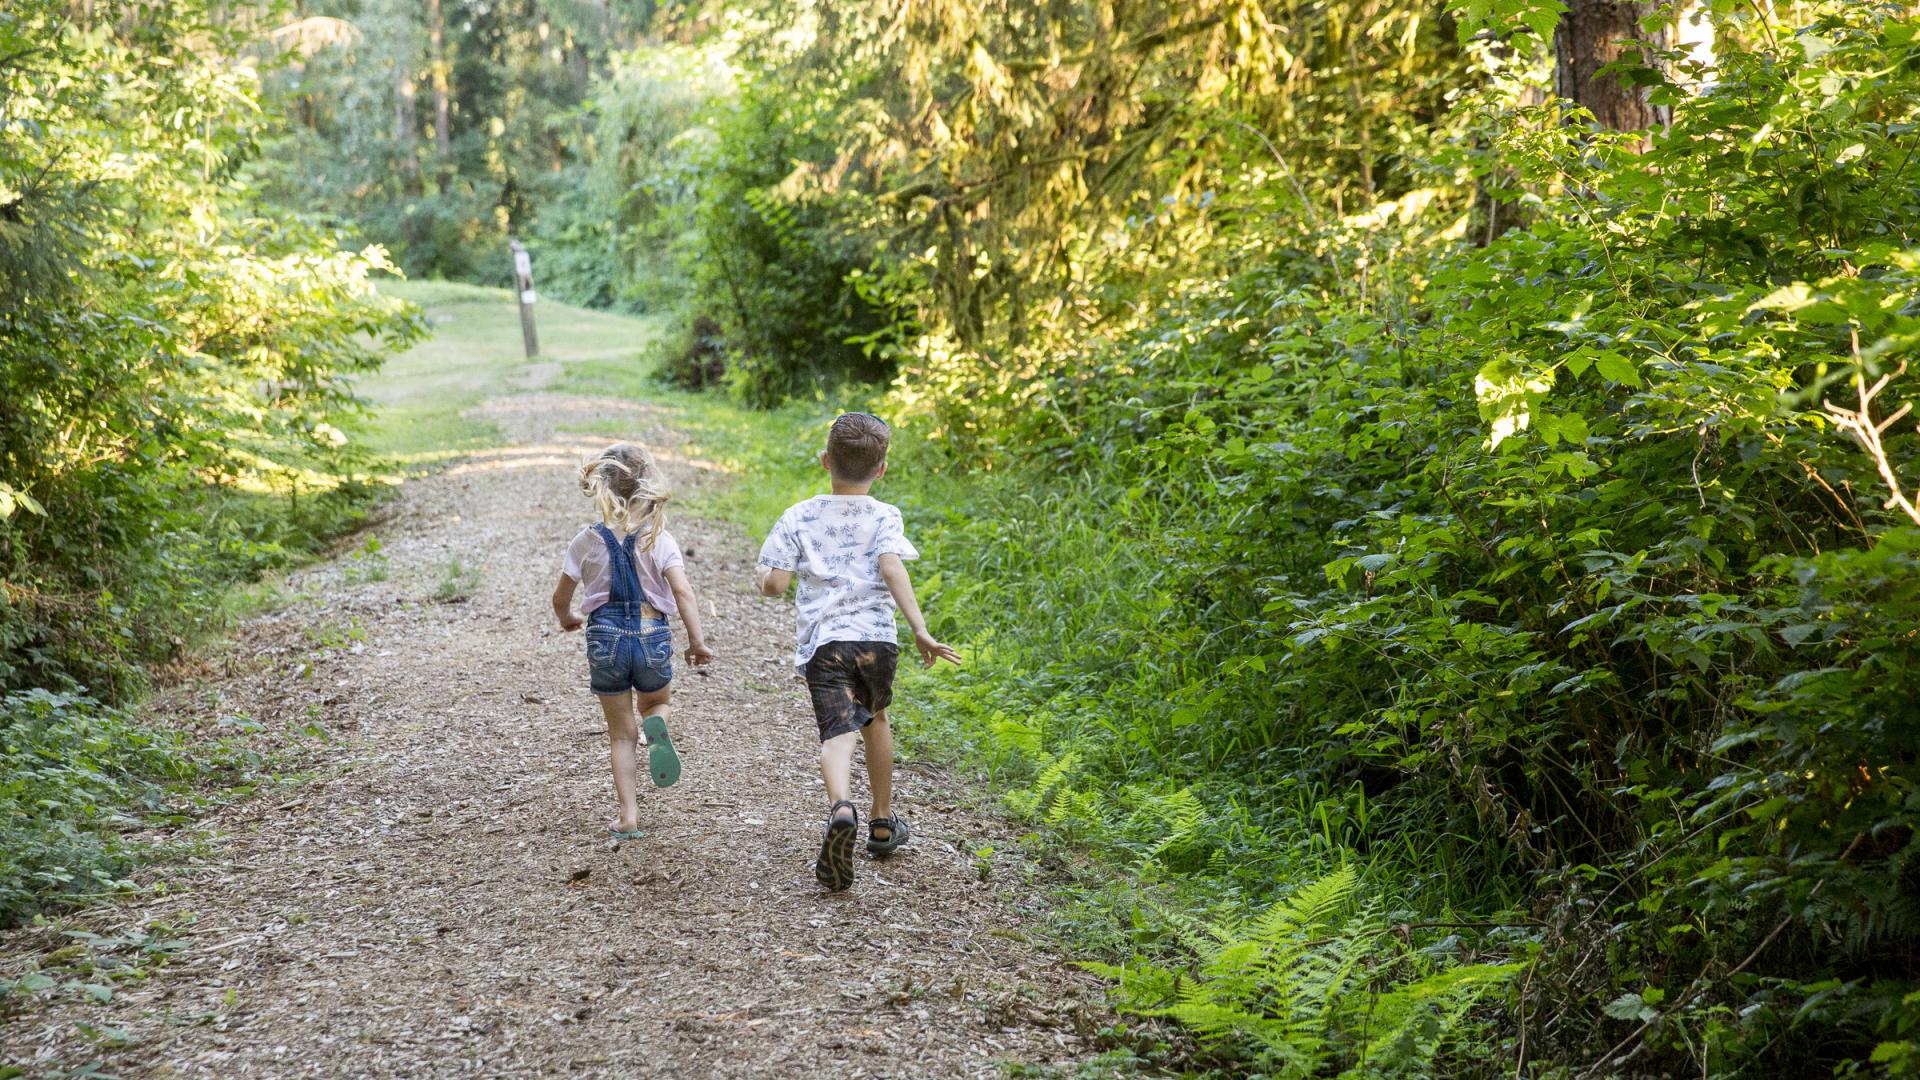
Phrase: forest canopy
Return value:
(1455, 458)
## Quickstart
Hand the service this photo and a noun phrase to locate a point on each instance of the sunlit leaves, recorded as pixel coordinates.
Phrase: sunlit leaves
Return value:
(175, 340)
(12, 498)
(1508, 395)
(1504, 17)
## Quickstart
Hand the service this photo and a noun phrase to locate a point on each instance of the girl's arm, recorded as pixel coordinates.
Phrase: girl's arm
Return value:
(563, 604)
(697, 651)
(894, 573)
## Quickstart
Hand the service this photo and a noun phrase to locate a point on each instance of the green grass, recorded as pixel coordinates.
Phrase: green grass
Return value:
(458, 581)
(421, 396)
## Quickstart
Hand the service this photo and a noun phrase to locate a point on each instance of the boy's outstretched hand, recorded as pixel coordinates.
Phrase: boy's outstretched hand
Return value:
(931, 651)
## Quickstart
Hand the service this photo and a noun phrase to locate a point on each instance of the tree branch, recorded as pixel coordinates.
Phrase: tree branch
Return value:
(1859, 423)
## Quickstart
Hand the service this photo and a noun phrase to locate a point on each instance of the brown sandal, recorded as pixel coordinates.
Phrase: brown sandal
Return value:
(897, 833)
(834, 867)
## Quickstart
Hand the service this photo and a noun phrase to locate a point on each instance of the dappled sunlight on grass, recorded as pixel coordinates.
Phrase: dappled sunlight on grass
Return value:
(444, 403)
(539, 455)
(509, 462)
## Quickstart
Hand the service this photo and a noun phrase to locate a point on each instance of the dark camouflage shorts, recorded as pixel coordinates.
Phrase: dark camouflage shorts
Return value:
(849, 681)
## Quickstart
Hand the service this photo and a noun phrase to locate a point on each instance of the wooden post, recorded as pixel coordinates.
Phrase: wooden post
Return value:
(523, 291)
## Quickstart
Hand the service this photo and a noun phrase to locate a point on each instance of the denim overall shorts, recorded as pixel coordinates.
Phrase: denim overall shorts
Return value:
(626, 649)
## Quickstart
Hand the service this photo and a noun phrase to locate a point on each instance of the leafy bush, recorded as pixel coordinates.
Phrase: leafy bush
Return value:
(775, 263)
(73, 774)
(175, 372)
(176, 390)
(1533, 571)
(620, 232)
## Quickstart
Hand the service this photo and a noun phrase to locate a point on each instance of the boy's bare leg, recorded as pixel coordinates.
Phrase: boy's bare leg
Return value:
(836, 766)
(622, 734)
(879, 740)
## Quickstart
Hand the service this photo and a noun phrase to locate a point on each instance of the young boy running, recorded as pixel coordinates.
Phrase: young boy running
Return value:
(847, 549)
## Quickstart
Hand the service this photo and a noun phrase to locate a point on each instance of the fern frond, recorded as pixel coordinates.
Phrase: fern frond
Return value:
(1038, 798)
(1311, 908)
(1291, 985)
(1411, 1024)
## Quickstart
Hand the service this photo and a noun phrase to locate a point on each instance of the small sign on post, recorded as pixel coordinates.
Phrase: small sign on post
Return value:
(523, 289)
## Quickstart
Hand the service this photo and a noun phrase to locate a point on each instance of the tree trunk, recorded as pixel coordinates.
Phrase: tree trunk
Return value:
(437, 53)
(406, 124)
(1588, 39)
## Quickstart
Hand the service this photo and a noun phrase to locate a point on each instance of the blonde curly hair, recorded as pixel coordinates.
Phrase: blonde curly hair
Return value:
(629, 490)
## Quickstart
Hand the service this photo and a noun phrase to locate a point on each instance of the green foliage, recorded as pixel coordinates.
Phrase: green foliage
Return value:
(366, 564)
(1536, 17)
(962, 191)
(175, 371)
(91, 966)
(1528, 568)
(458, 581)
(609, 240)
(73, 775)
(363, 92)
(176, 388)
(1299, 984)
(773, 262)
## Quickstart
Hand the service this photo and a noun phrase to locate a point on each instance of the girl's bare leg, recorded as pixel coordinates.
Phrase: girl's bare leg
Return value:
(655, 703)
(622, 734)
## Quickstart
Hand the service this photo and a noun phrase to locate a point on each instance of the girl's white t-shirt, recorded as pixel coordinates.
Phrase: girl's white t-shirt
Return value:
(586, 562)
(833, 544)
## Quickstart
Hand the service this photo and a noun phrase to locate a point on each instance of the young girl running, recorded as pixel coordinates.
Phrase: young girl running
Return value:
(633, 578)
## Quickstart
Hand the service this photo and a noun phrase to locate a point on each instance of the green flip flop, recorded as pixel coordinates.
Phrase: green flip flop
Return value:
(662, 760)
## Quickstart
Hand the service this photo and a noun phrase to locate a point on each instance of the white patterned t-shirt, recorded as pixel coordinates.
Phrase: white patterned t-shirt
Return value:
(833, 544)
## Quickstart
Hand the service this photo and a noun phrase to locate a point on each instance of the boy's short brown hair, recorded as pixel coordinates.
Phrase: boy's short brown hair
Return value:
(857, 446)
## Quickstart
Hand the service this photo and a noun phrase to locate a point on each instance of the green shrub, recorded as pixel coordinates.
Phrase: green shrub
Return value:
(1305, 986)
(74, 775)
(776, 266)
(621, 231)
(1534, 572)
(176, 391)
(175, 372)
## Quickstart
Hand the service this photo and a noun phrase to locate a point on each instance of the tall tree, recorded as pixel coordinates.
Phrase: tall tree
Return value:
(1593, 34)
(406, 121)
(437, 55)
